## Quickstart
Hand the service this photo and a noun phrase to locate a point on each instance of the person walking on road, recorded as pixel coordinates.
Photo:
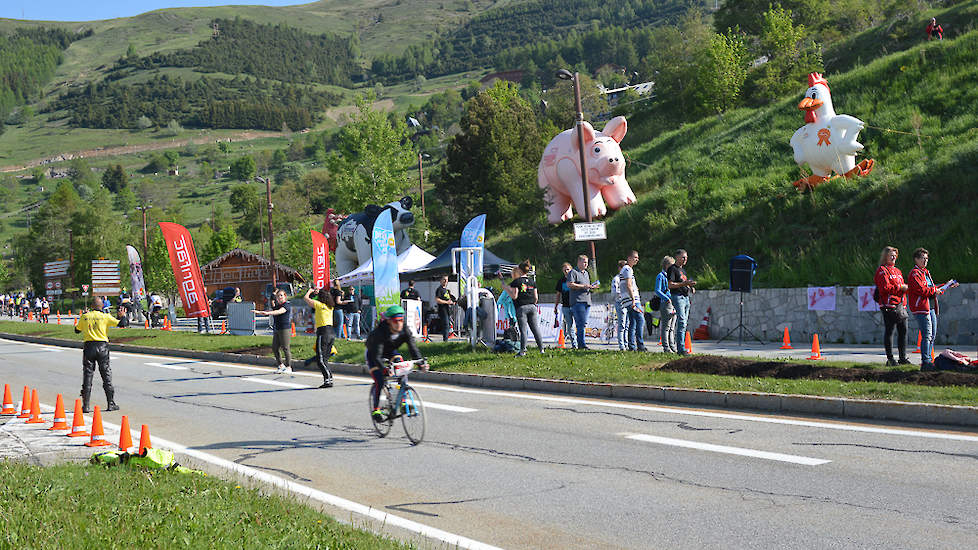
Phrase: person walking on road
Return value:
(892, 300)
(281, 330)
(632, 304)
(681, 288)
(523, 291)
(922, 295)
(323, 318)
(667, 312)
(580, 285)
(93, 326)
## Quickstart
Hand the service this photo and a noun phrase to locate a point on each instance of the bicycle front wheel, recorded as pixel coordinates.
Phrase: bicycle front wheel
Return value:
(382, 424)
(412, 415)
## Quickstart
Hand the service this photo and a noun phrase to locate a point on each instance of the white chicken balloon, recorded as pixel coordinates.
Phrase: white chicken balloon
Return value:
(828, 141)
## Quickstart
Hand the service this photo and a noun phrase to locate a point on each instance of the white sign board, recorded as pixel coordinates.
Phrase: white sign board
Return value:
(866, 301)
(594, 231)
(105, 277)
(821, 298)
(412, 316)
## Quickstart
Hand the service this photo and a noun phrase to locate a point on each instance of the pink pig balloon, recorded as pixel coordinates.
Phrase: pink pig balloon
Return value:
(559, 172)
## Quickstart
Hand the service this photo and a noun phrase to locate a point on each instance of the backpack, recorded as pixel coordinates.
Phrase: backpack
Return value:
(655, 303)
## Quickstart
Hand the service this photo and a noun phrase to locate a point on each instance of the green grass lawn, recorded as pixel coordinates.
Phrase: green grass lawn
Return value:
(83, 506)
(585, 366)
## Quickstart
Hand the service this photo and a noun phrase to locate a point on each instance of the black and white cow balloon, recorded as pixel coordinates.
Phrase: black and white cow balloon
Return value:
(353, 235)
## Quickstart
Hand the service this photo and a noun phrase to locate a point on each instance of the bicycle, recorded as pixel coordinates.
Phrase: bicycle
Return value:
(407, 406)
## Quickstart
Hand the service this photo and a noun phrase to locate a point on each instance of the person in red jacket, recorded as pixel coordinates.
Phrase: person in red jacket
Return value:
(922, 296)
(892, 300)
(934, 30)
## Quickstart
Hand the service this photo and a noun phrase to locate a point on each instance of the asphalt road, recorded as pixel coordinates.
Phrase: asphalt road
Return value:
(523, 470)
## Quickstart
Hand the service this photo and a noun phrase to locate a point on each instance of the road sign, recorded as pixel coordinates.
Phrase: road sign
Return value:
(593, 231)
(84, 288)
(56, 269)
(105, 277)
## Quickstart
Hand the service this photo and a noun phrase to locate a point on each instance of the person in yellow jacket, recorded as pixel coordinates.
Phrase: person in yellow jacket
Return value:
(323, 317)
(93, 325)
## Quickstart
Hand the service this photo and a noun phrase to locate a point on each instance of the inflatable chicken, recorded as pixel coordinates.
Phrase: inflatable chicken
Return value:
(827, 142)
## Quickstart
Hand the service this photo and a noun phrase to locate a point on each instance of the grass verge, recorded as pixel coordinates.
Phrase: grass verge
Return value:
(586, 366)
(80, 506)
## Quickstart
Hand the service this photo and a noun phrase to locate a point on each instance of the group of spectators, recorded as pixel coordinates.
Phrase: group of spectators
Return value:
(346, 312)
(895, 294)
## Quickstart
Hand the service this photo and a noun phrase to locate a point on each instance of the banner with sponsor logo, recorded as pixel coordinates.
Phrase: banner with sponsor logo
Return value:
(136, 274)
(866, 301)
(821, 298)
(473, 236)
(320, 260)
(387, 284)
(186, 270)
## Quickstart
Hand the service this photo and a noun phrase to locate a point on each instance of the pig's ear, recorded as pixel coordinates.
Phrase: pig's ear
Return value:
(616, 128)
(588, 132)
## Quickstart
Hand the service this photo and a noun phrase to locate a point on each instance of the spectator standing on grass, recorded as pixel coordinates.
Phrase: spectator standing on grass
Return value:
(934, 31)
(580, 285)
(621, 310)
(339, 319)
(281, 330)
(353, 314)
(523, 291)
(681, 288)
(445, 301)
(667, 311)
(322, 308)
(563, 302)
(922, 294)
(892, 300)
(632, 304)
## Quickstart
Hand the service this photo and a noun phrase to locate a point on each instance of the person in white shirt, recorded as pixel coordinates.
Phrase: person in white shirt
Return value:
(621, 312)
(632, 304)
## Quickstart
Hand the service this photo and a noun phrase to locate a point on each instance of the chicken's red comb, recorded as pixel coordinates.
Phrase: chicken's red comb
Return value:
(816, 78)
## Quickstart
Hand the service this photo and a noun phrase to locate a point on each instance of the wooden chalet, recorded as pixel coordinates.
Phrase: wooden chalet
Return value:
(245, 270)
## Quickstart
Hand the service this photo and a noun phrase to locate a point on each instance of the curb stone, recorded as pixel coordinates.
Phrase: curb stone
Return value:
(900, 411)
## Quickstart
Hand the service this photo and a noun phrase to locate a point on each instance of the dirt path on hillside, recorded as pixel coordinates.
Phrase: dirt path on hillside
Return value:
(130, 149)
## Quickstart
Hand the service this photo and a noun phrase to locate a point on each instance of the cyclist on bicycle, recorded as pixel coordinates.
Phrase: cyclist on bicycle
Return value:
(382, 343)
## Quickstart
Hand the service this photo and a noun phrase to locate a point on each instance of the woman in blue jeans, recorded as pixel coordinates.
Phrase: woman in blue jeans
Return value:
(667, 312)
(922, 297)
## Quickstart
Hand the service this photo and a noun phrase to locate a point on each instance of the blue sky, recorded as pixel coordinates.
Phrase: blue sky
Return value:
(75, 10)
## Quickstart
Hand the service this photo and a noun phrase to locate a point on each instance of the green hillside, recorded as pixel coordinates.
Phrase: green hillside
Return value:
(722, 186)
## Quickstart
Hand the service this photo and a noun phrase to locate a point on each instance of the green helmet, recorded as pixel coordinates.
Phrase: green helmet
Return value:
(394, 311)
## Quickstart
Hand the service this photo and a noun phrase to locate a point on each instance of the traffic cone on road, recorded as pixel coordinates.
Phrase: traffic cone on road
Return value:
(560, 339)
(98, 436)
(816, 350)
(293, 330)
(689, 343)
(60, 419)
(8, 402)
(25, 404)
(146, 323)
(125, 438)
(703, 331)
(35, 410)
(144, 439)
(78, 422)
(786, 340)
(918, 343)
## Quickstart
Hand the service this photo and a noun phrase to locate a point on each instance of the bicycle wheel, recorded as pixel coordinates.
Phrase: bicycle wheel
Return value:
(412, 415)
(383, 425)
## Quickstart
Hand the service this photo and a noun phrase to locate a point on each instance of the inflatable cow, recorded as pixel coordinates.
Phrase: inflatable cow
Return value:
(353, 235)
(559, 172)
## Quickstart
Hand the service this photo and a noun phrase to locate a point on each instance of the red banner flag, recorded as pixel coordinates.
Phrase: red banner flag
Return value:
(186, 270)
(320, 260)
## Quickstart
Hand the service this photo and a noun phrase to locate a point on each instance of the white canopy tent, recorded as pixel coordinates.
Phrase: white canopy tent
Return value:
(410, 259)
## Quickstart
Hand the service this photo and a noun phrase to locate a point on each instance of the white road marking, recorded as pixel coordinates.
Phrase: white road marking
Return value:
(453, 408)
(794, 459)
(162, 366)
(275, 382)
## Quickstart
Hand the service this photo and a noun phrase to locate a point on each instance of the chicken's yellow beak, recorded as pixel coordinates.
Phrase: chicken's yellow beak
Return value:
(809, 104)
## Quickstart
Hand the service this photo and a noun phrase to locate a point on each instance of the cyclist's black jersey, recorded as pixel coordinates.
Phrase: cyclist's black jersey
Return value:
(381, 344)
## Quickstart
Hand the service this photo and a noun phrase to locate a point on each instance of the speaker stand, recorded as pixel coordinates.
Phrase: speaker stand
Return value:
(740, 326)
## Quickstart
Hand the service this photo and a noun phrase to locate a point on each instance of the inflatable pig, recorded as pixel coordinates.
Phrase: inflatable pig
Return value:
(559, 172)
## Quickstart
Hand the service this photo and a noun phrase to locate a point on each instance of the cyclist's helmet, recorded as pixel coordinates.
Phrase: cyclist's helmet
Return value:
(394, 312)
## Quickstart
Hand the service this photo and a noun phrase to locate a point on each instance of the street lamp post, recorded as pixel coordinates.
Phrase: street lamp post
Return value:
(144, 208)
(564, 74)
(421, 180)
(271, 236)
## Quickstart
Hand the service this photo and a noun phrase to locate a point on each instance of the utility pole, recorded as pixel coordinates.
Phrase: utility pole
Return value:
(144, 208)
(421, 180)
(271, 235)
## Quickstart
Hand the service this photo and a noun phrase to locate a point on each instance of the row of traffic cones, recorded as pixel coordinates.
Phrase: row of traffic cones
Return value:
(32, 413)
(817, 350)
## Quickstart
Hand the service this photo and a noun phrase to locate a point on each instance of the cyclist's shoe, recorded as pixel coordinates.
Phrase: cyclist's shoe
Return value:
(378, 415)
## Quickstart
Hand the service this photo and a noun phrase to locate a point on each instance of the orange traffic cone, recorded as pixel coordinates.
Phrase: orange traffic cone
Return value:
(224, 327)
(786, 340)
(35, 410)
(125, 438)
(918, 343)
(424, 333)
(144, 439)
(689, 343)
(703, 331)
(146, 323)
(98, 436)
(560, 339)
(30, 316)
(60, 419)
(25, 404)
(8, 402)
(816, 350)
(59, 317)
(78, 422)
(293, 330)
